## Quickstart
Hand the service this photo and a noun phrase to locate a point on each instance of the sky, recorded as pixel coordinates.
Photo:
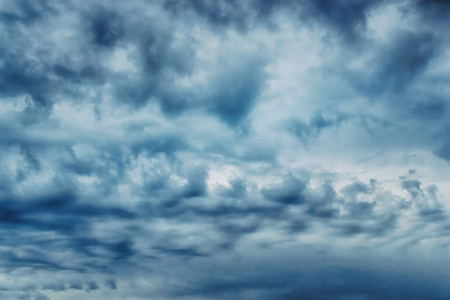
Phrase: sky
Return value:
(199, 149)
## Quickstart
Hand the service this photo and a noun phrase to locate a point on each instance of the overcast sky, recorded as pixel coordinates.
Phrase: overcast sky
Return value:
(224, 149)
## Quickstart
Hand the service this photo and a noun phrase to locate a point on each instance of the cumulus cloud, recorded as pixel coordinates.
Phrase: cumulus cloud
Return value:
(224, 149)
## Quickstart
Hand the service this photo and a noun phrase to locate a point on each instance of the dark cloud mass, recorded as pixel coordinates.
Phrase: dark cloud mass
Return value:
(224, 149)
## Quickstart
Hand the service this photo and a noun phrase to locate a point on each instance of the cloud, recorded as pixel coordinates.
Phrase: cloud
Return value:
(397, 64)
(224, 150)
(111, 283)
(290, 192)
(347, 18)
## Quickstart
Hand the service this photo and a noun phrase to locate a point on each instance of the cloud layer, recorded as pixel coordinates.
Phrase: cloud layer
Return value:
(224, 149)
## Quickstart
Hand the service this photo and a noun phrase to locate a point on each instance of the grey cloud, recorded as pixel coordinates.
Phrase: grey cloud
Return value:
(383, 225)
(111, 283)
(186, 252)
(227, 13)
(236, 91)
(218, 13)
(159, 144)
(92, 285)
(106, 27)
(26, 12)
(318, 123)
(401, 64)
(429, 206)
(441, 148)
(413, 187)
(22, 76)
(352, 190)
(196, 185)
(237, 188)
(433, 10)
(76, 285)
(431, 110)
(323, 281)
(321, 203)
(290, 192)
(60, 214)
(397, 64)
(54, 286)
(154, 149)
(347, 18)
(362, 208)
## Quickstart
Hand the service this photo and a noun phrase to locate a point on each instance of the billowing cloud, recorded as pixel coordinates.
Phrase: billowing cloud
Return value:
(224, 149)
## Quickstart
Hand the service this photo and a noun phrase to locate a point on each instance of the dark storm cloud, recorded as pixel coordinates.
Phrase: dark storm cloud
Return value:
(158, 61)
(406, 58)
(158, 58)
(16, 212)
(319, 204)
(397, 64)
(347, 18)
(236, 91)
(196, 185)
(184, 252)
(61, 214)
(92, 285)
(436, 11)
(111, 283)
(290, 192)
(327, 281)
(179, 209)
(219, 13)
(23, 76)
(32, 71)
(295, 191)
(106, 27)
(229, 221)
(227, 13)
(322, 207)
(44, 77)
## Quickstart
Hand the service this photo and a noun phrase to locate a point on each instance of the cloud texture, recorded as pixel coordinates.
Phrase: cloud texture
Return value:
(224, 149)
